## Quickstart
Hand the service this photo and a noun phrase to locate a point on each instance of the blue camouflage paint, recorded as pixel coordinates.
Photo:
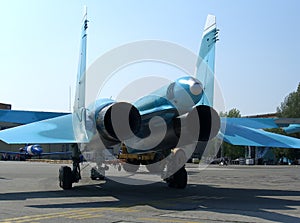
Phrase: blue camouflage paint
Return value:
(25, 117)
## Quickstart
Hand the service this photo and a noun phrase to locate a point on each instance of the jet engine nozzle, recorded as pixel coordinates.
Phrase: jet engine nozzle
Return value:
(118, 121)
(203, 120)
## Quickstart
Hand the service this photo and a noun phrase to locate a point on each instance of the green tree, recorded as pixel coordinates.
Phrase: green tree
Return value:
(289, 108)
(234, 113)
(280, 152)
(229, 150)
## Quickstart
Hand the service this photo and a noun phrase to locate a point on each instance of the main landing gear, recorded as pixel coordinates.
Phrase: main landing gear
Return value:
(175, 174)
(176, 165)
(178, 179)
(67, 176)
(98, 173)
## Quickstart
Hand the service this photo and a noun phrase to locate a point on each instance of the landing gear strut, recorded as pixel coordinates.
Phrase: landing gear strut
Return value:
(176, 167)
(67, 176)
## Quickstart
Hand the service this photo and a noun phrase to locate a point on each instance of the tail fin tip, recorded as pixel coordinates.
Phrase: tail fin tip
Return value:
(210, 24)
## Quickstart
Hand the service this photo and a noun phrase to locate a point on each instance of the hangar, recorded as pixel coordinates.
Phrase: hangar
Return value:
(11, 118)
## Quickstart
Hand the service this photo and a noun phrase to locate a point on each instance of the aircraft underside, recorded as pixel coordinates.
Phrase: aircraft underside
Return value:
(170, 166)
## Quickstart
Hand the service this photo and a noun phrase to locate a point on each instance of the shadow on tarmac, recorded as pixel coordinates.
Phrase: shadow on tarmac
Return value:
(259, 203)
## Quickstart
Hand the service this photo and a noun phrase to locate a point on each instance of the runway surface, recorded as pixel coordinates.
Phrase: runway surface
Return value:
(29, 192)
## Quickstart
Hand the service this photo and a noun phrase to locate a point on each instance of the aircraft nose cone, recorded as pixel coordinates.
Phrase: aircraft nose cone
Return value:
(196, 88)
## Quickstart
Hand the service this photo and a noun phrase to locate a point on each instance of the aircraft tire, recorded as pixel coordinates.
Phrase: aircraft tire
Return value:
(178, 179)
(96, 175)
(158, 164)
(131, 168)
(65, 177)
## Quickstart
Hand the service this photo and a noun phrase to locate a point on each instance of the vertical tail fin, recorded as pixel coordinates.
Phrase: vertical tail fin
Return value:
(206, 60)
(80, 83)
(79, 111)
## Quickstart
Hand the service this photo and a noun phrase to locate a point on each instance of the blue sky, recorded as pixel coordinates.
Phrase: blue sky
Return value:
(257, 57)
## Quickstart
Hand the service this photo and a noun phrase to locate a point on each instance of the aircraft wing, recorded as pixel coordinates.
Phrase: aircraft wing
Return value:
(42, 154)
(248, 132)
(57, 153)
(10, 152)
(25, 117)
(55, 130)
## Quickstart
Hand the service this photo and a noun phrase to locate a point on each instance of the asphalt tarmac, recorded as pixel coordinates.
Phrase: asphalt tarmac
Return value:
(29, 192)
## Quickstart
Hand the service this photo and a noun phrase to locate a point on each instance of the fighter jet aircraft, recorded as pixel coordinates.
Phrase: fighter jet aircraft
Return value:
(157, 129)
(29, 151)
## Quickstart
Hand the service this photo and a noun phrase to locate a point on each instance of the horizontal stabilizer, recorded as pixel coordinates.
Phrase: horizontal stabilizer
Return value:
(25, 117)
(55, 130)
(245, 136)
(255, 123)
